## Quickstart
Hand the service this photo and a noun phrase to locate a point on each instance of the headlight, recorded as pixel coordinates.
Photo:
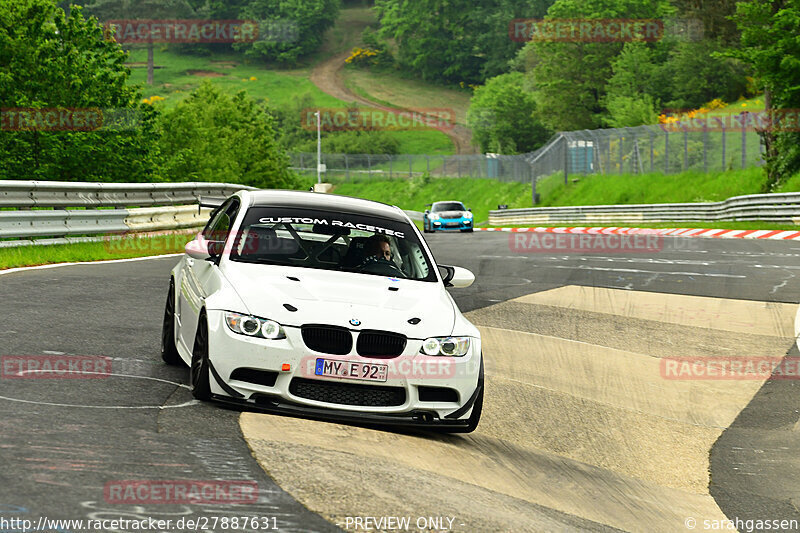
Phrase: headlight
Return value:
(253, 326)
(468, 214)
(450, 346)
(433, 216)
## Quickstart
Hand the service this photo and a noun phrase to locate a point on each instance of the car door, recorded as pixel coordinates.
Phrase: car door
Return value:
(198, 277)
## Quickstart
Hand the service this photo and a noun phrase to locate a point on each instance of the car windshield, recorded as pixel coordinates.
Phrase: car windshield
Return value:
(448, 206)
(331, 241)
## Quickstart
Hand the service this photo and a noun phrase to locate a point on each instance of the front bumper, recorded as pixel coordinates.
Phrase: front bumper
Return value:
(229, 351)
(451, 224)
(419, 419)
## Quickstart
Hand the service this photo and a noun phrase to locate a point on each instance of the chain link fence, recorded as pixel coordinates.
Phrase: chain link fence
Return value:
(703, 146)
(664, 149)
(358, 167)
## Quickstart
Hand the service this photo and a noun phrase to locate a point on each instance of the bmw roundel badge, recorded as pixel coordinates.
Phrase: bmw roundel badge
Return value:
(355, 322)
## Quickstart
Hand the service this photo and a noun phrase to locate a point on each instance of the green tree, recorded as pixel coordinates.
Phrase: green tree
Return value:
(49, 61)
(697, 74)
(503, 118)
(106, 10)
(212, 136)
(715, 17)
(629, 111)
(629, 98)
(453, 41)
(308, 20)
(770, 46)
(570, 77)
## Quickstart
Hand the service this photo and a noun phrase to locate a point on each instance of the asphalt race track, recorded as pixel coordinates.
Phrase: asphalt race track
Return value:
(581, 429)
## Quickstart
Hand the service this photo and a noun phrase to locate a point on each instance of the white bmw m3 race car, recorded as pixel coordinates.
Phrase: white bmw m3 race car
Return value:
(323, 306)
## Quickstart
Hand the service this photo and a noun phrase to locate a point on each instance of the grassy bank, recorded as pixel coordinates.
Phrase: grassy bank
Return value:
(93, 251)
(649, 188)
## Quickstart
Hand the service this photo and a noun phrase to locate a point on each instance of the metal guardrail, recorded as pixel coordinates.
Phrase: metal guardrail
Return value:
(778, 208)
(27, 194)
(23, 222)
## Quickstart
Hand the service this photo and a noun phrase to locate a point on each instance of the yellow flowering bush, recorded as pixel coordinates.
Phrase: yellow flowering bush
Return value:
(152, 99)
(364, 56)
(717, 103)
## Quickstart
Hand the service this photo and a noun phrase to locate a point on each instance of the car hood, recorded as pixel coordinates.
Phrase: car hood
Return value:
(332, 297)
(451, 214)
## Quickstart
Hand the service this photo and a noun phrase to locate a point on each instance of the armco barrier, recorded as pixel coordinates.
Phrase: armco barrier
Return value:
(781, 208)
(158, 218)
(134, 209)
(61, 222)
(26, 194)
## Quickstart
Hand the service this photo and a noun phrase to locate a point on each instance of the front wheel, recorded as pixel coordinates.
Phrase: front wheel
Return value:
(169, 352)
(198, 372)
(468, 230)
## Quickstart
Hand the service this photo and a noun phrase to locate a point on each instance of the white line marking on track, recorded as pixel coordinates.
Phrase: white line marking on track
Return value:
(53, 404)
(55, 265)
(72, 405)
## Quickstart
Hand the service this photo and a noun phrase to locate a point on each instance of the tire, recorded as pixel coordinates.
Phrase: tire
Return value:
(468, 230)
(425, 228)
(198, 372)
(169, 352)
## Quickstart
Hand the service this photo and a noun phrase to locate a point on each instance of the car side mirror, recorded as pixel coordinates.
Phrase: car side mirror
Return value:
(203, 249)
(427, 212)
(469, 209)
(197, 249)
(457, 277)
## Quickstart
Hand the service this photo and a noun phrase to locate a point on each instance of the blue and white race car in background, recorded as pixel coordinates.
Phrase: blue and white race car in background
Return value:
(447, 216)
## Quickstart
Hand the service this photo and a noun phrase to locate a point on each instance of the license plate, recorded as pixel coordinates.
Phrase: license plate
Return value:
(452, 224)
(350, 370)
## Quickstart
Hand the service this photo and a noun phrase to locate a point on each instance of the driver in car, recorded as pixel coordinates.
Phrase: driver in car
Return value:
(377, 248)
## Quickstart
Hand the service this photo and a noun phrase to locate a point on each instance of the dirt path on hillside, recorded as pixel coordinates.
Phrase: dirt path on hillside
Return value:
(327, 76)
